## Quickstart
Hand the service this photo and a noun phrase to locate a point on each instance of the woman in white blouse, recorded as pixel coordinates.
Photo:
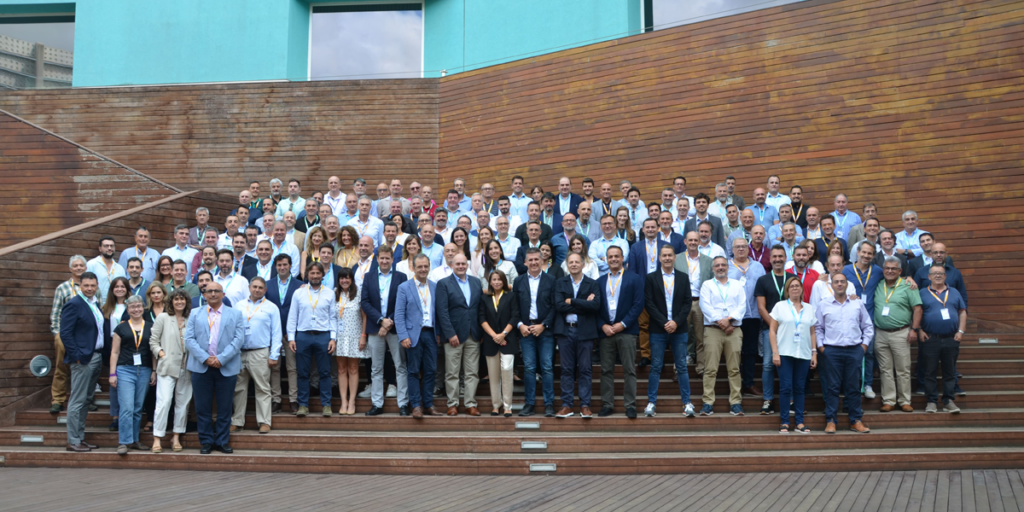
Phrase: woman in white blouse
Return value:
(476, 264)
(812, 262)
(496, 261)
(410, 249)
(578, 244)
(791, 335)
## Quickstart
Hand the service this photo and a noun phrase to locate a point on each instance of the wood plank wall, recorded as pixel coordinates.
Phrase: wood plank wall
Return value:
(220, 137)
(908, 104)
(28, 278)
(49, 184)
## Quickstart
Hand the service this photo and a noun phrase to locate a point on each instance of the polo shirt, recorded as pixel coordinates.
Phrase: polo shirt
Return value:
(899, 299)
(931, 319)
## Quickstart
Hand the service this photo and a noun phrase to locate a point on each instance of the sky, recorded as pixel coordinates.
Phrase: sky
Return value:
(670, 13)
(367, 45)
(57, 35)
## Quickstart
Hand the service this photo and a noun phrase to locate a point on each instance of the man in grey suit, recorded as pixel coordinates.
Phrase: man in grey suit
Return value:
(214, 337)
(458, 304)
(415, 322)
(698, 268)
(701, 202)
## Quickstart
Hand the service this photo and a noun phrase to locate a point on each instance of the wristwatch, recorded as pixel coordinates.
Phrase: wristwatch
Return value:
(961, 332)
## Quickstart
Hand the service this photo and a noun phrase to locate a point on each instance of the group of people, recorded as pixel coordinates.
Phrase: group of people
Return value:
(416, 289)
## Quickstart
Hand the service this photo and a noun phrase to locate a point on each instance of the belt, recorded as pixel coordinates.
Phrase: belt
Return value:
(251, 349)
(314, 333)
(572, 324)
(533, 321)
(898, 329)
(696, 298)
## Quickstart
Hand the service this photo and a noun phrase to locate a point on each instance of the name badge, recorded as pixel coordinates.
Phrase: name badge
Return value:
(743, 280)
(945, 313)
(796, 338)
(885, 311)
(248, 330)
(137, 359)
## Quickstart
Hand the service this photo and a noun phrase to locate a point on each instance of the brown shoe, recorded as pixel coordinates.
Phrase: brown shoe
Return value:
(417, 412)
(473, 411)
(432, 411)
(860, 428)
(585, 413)
(264, 428)
(752, 391)
(453, 411)
(78, 448)
(886, 408)
(565, 412)
(235, 428)
(830, 428)
(906, 408)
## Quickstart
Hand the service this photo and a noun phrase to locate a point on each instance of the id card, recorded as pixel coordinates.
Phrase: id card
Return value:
(885, 311)
(796, 338)
(248, 330)
(945, 313)
(137, 359)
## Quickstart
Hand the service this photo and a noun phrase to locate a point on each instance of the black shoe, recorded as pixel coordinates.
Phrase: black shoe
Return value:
(375, 411)
(549, 411)
(275, 408)
(607, 411)
(90, 446)
(405, 410)
(527, 410)
(644, 362)
(631, 413)
(55, 409)
(113, 426)
(93, 407)
(224, 449)
(959, 392)
(206, 449)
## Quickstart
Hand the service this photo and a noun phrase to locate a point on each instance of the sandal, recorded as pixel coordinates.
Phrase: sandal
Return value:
(148, 427)
(176, 446)
(157, 449)
(801, 428)
(784, 429)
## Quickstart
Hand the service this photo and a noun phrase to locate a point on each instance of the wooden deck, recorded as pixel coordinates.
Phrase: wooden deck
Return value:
(101, 489)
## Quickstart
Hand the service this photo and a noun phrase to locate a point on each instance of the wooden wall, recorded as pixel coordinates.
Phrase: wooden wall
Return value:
(49, 184)
(29, 275)
(220, 137)
(908, 104)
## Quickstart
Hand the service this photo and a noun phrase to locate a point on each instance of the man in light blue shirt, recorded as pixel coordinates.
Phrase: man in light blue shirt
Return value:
(908, 241)
(845, 219)
(518, 200)
(293, 203)
(105, 268)
(281, 245)
(774, 198)
(433, 251)
(143, 252)
(260, 351)
(181, 250)
(599, 248)
(312, 328)
(764, 214)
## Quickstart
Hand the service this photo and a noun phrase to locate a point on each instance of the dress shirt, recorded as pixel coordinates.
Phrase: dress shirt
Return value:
(774, 233)
(910, 241)
(748, 278)
(440, 272)
(764, 215)
(845, 222)
(436, 254)
(265, 271)
(517, 205)
(384, 286)
(822, 291)
(534, 283)
(600, 247)
(843, 324)
(149, 258)
(298, 207)
(224, 241)
(97, 313)
(464, 286)
(675, 206)
(711, 250)
(373, 228)
(611, 290)
(510, 245)
(718, 301)
(104, 276)
(445, 234)
(652, 256)
(669, 281)
(465, 204)
(214, 316)
(236, 287)
(813, 234)
(262, 326)
(777, 200)
(637, 216)
(362, 267)
(693, 265)
(176, 253)
(337, 205)
(571, 317)
(291, 250)
(718, 210)
(679, 226)
(303, 316)
(426, 303)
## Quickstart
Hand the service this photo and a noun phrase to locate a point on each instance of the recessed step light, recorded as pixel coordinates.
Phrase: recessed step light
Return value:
(32, 439)
(543, 468)
(525, 445)
(527, 425)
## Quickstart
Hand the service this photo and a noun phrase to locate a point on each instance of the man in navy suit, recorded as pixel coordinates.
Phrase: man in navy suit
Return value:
(263, 266)
(378, 296)
(81, 330)
(643, 259)
(620, 314)
(279, 292)
(578, 303)
(667, 235)
(330, 269)
(566, 201)
(458, 305)
(534, 290)
(214, 337)
(701, 202)
(415, 322)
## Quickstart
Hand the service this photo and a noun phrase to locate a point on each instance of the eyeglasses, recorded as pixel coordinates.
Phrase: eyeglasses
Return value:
(213, 291)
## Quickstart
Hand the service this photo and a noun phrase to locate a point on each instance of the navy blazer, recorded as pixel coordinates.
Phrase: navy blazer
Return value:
(249, 267)
(561, 247)
(574, 204)
(677, 241)
(545, 299)
(396, 256)
(654, 297)
(545, 233)
(274, 296)
(637, 261)
(454, 317)
(717, 231)
(587, 311)
(78, 331)
(629, 299)
(370, 299)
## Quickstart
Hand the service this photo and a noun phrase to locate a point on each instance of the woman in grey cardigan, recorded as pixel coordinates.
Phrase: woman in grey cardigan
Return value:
(172, 379)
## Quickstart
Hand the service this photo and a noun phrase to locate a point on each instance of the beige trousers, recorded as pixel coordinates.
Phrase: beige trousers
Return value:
(254, 366)
(893, 353)
(717, 343)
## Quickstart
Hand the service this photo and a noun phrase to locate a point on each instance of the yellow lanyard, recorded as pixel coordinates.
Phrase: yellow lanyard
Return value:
(861, 281)
(210, 319)
(942, 300)
(613, 287)
(138, 335)
(496, 299)
(885, 289)
(652, 252)
(742, 269)
(257, 310)
(310, 295)
(364, 268)
(425, 297)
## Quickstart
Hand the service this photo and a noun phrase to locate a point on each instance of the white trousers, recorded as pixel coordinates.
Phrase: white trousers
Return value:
(180, 388)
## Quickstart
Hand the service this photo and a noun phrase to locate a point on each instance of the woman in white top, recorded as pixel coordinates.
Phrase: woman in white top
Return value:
(173, 380)
(812, 253)
(578, 244)
(791, 334)
(410, 249)
(403, 233)
(351, 345)
(476, 263)
(496, 261)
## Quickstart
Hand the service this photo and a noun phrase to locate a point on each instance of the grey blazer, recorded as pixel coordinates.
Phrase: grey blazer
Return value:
(167, 337)
(705, 267)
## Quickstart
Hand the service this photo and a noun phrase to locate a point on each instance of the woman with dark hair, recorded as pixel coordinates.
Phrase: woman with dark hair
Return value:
(623, 226)
(580, 245)
(483, 235)
(346, 253)
(547, 260)
(495, 261)
(499, 315)
(791, 334)
(131, 373)
(163, 270)
(351, 343)
(113, 310)
(314, 239)
(404, 228)
(173, 380)
(410, 249)
(460, 237)
(536, 193)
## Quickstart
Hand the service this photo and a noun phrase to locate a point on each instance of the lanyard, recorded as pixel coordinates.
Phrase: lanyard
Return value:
(839, 225)
(802, 277)
(344, 304)
(613, 287)
(228, 285)
(856, 271)
(779, 287)
(652, 252)
(282, 287)
(796, 214)
(258, 306)
(92, 307)
(692, 265)
(424, 296)
(488, 206)
(741, 269)
(362, 229)
(140, 256)
(669, 280)
(305, 220)
(942, 300)
(760, 216)
(210, 319)
(137, 334)
(700, 250)
(723, 293)
(796, 316)
(888, 294)
(264, 272)
(496, 299)
(758, 254)
(363, 268)
(606, 208)
(311, 301)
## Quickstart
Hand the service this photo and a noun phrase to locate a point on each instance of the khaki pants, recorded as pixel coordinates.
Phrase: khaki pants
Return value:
(61, 373)
(275, 377)
(465, 357)
(255, 366)
(644, 340)
(893, 353)
(716, 343)
(499, 371)
(696, 322)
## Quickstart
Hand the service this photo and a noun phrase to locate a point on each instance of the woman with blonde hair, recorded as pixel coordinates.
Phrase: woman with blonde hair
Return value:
(410, 249)
(315, 237)
(623, 226)
(346, 253)
(483, 235)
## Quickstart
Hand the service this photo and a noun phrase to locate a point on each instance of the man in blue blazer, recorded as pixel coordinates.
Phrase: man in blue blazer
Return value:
(620, 313)
(566, 201)
(416, 325)
(643, 259)
(279, 292)
(667, 235)
(560, 241)
(378, 296)
(535, 291)
(578, 303)
(458, 306)
(214, 337)
(81, 330)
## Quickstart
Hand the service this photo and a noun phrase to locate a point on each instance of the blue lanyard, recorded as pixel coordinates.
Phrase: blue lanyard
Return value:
(796, 316)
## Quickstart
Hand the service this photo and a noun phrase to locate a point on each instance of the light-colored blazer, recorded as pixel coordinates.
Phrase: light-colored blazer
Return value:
(229, 344)
(167, 337)
(409, 310)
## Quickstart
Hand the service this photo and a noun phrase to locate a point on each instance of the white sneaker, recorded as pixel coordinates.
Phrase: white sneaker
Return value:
(869, 393)
(98, 388)
(392, 391)
(649, 411)
(365, 393)
(689, 360)
(688, 411)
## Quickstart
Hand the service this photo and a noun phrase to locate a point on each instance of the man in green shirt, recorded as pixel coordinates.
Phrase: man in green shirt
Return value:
(897, 316)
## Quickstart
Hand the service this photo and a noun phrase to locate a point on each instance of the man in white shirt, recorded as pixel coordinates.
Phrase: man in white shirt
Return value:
(679, 189)
(600, 246)
(105, 268)
(505, 211)
(518, 199)
(721, 202)
(335, 198)
(236, 287)
(813, 229)
(366, 225)
(774, 197)
(230, 228)
(908, 241)
(637, 210)
(180, 250)
(707, 247)
(282, 246)
(509, 244)
(441, 225)
(365, 263)
(724, 304)
(293, 203)
(445, 269)
(682, 209)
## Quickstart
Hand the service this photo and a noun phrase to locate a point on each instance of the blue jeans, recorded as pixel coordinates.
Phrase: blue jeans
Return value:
(844, 367)
(309, 347)
(422, 359)
(768, 369)
(659, 342)
(869, 366)
(792, 379)
(132, 384)
(538, 351)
